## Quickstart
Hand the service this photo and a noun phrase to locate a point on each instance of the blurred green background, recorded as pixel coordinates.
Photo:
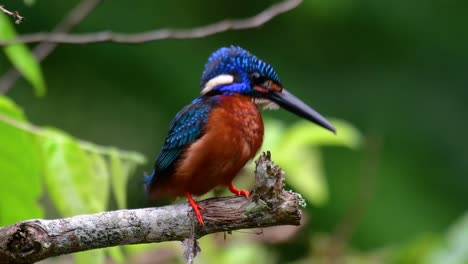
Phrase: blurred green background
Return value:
(396, 70)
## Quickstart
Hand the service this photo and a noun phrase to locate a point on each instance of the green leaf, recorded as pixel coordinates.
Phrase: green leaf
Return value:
(76, 173)
(69, 174)
(96, 256)
(137, 249)
(454, 250)
(101, 180)
(417, 250)
(19, 168)
(116, 254)
(21, 57)
(307, 133)
(295, 150)
(119, 179)
(245, 253)
(304, 173)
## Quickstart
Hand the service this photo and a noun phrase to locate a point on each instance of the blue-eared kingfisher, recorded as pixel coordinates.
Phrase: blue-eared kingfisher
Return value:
(211, 139)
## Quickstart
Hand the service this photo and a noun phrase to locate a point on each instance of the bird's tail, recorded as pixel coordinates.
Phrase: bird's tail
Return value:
(148, 179)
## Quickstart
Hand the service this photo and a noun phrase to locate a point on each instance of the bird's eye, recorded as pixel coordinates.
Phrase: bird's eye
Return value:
(255, 76)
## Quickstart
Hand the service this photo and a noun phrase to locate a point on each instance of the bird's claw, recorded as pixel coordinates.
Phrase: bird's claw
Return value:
(235, 191)
(196, 209)
(199, 217)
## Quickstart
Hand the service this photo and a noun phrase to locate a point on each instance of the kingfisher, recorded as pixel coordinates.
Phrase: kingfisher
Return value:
(211, 139)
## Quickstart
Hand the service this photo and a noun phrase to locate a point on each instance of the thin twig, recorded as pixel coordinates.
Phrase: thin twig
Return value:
(41, 51)
(269, 205)
(191, 33)
(49, 41)
(15, 14)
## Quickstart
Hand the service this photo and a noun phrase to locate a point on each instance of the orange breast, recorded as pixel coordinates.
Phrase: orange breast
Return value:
(233, 135)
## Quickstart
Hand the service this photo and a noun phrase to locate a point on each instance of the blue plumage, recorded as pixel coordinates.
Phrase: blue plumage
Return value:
(239, 63)
(185, 128)
(251, 77)
(188, 125)
(234, 83)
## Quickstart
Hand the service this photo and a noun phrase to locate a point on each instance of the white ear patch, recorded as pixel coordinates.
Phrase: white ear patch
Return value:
(220, 79)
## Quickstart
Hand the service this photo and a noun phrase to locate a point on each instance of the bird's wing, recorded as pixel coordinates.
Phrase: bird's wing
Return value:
(185, 128)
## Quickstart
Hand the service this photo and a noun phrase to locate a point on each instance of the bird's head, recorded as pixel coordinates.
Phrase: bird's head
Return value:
(234, 70)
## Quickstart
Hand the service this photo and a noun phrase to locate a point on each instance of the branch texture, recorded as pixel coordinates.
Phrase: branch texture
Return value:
(269, 205)
(41, 51)
(197, 32)
(15, 14)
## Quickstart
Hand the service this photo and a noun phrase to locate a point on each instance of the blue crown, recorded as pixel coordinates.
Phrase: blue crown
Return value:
(234, 59)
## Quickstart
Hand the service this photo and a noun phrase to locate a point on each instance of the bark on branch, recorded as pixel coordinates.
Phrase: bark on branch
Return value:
(269, 205)
(15, 14)
(42, 50)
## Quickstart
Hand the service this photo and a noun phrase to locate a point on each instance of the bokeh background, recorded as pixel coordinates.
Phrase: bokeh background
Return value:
(396, 70)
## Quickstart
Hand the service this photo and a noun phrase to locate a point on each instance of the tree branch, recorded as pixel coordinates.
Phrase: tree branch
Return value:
(197, 32)
(269, 205)
(15, 14)
(41, 51)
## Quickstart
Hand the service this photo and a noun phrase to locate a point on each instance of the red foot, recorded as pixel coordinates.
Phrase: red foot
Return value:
(196, 209)
(235, 191)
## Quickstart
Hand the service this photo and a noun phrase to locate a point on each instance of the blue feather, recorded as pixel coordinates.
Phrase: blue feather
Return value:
(185, 128)
(189, 124)
(235, 60)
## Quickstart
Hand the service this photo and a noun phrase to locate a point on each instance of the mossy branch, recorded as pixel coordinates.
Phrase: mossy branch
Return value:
(269, 205)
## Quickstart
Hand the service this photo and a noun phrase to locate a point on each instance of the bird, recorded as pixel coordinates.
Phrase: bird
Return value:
(211, 139)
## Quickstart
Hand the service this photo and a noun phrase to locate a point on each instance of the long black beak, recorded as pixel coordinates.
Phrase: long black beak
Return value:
(294, 105)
